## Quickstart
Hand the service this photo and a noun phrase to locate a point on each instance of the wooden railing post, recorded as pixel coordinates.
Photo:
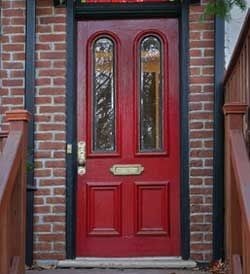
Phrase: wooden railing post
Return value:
(18, 120)
(234, 113)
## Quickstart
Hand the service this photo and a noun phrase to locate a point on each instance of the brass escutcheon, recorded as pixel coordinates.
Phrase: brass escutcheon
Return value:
(126, 169)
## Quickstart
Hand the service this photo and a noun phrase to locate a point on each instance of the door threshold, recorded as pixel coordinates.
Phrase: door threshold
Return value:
(128, 262)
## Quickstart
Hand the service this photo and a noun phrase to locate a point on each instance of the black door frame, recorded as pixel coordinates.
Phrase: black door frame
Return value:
(113, 11)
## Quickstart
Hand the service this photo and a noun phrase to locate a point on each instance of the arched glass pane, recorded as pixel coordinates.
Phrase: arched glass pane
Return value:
(103, 96)
(151, 95)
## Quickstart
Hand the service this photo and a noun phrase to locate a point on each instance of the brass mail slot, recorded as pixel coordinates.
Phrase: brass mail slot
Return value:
(124, 170)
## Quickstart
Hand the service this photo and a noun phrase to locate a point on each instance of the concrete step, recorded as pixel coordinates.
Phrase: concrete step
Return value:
(118, 271)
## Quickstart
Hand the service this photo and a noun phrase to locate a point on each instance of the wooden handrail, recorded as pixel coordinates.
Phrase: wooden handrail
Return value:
(241, 168)
(13, 194)
(237, 80)
(241, 184)
(9, 163)
(237, 191)
(237, 150)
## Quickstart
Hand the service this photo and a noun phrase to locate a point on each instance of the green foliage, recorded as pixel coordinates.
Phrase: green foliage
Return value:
(222, 8)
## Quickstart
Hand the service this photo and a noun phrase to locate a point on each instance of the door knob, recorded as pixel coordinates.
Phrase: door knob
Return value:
(81, 155)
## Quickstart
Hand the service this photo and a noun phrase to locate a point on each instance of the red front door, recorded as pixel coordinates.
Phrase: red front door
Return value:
(128, 188)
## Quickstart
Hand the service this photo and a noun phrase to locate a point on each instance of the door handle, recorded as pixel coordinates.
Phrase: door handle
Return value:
(81, 157)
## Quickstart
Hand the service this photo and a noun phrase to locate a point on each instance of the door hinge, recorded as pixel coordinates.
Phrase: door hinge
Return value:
(69, 148)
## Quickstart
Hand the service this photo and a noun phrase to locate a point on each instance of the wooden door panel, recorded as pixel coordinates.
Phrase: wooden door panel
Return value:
(152, 218)
(128, 113)
(103, 209)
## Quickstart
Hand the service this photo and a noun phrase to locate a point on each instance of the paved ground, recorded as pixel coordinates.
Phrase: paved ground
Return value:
(116, 271)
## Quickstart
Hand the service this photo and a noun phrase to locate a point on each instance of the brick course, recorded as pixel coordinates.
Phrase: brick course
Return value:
(12, 56)
(201, 98)
(50, 120)
(50, 132)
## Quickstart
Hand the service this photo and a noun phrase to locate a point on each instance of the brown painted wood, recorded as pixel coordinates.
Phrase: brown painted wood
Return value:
(14, 265)
(17, 115)
(237, 268)
(237, 165)
(241, 168)
(241, 217)
(237, 80)
(233, 120)
(13, 194)
(237, 174)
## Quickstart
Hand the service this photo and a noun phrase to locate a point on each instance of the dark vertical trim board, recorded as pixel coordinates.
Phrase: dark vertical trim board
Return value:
(218, 164)
(70, 132)
(30, 106)
(184, 62)
(108, 11)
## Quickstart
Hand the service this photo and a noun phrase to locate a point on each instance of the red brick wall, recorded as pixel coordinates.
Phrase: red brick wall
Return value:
(201, 98)
(50, 132)
(12, 55)
(50, 120)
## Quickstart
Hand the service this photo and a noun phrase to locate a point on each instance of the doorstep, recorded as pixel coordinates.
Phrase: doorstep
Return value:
(134, 262)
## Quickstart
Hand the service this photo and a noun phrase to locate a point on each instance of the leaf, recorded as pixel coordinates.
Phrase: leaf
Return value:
(218, 267)
(222, 8)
